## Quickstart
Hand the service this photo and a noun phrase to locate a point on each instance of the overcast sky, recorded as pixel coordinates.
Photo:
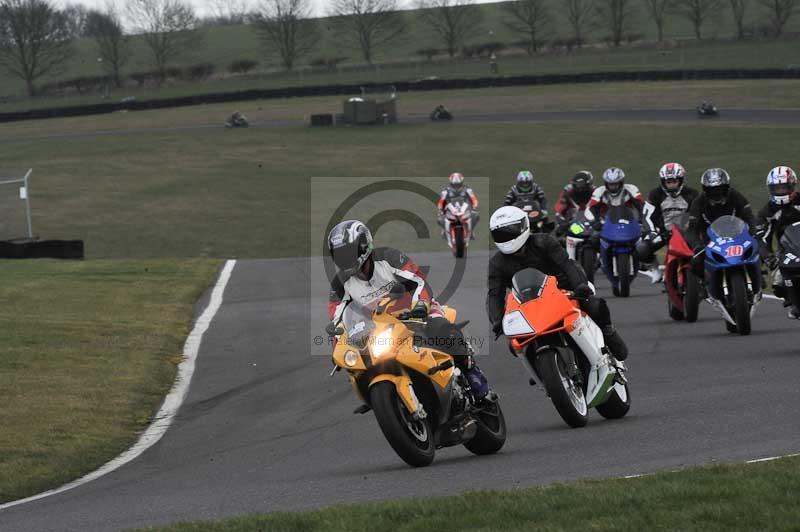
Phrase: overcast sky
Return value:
(206, 7)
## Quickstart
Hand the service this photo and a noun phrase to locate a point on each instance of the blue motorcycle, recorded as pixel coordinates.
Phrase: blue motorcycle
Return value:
(618, 237)
(733, 272)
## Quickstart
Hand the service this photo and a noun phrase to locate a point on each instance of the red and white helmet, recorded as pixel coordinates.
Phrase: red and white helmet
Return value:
(672, 176)
(456, 180)
(781, 182)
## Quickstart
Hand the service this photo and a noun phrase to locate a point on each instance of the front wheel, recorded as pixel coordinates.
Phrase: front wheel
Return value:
(566, 394)
(618, 404)
(623, 274)
(491, 434)
(458, 241)
(741, 310)
(691, 297)
(412, 439)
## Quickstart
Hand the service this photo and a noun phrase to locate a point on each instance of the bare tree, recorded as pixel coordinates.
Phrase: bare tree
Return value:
(617, 16)
(451, 20)
(76, 19)
(659, 9)
(168, 28)
(739, 8)
(780, 11)
(110, 41)
(530, 18)
(286, 25)
(580, 15)
(34, 40)
(228, 12)
(697, 12)
(373, 23)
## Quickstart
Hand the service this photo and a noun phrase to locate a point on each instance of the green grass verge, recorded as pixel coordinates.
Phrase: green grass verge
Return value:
(245, 193)
(733, 497)
(399, 61)
(89, 350)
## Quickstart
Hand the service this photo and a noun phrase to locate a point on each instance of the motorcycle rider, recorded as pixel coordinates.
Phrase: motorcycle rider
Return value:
(519, 249)
(526, 191)
(717, 199)
(576, 194)
(664, 206)
(781, 211)
(456, 190)
(613, 193)
(367, 274)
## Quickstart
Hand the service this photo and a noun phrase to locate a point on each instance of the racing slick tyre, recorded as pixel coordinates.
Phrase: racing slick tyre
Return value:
(566, 394)
(491, 434)
(458, 239)
(624, 274)
(412, 439)
(674, 312)
(618, 404)
(691, 297)
(741, 310)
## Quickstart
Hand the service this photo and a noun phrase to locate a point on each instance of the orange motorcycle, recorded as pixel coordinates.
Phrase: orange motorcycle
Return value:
(563, 349)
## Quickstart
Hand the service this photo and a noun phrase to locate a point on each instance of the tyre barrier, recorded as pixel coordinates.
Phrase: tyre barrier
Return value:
(431, 84)
(42, 249)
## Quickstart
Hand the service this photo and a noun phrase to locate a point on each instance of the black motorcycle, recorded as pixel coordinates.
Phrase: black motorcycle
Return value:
(789, 264)
(707, 110)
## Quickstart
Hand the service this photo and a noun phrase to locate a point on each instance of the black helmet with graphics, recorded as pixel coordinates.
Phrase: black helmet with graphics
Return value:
(350, 246)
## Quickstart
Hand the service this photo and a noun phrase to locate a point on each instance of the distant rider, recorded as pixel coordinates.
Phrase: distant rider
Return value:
(456, 190)
(717, 199)
(576, 194)
(665, 205)
(519, 249)
(366, 275)
(526, 191)
(781, 211)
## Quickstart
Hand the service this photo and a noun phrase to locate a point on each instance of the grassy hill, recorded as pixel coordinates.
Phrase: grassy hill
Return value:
(223, 45)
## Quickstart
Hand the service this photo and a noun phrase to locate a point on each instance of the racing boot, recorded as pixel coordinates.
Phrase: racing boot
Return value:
(477, 380)
(615, 343)
(651, 270)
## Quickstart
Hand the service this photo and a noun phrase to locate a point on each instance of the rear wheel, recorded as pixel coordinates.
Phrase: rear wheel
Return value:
(738, 292)
(567, 396)
(587, 261)
(412, 439)
(618, 404)
(491, 434)
(623, 261)
(691, 296)
(458, 240)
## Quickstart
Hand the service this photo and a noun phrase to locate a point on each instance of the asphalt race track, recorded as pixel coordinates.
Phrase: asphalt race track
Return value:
(264, 428)
(756, 116)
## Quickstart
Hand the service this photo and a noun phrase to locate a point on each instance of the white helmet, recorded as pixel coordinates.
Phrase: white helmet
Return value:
(614, 179)
(781, 183)
(510, 229)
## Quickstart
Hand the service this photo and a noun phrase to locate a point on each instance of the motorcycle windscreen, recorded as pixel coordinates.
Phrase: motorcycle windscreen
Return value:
(621, 225)
(790, 240)
(726, 227)
(358, 324)
(528, 284)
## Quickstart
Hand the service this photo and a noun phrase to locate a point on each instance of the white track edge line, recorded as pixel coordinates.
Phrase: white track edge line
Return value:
(172, 402)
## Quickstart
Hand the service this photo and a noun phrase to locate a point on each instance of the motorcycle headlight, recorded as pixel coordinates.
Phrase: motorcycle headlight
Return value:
(351, 358)
(382, 342)
(515, 324)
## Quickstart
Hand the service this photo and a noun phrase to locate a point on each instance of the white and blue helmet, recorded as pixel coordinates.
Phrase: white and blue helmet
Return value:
(781, 182)
(614, 179)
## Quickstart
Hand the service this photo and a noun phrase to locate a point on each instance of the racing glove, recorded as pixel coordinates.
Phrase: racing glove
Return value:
(497, 329)
(583, 291)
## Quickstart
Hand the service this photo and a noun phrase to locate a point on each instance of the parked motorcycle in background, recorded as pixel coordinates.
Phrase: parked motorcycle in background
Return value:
(458, 226)
(563, 349)
(684, 287)
(733, 272)
(618, 237)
